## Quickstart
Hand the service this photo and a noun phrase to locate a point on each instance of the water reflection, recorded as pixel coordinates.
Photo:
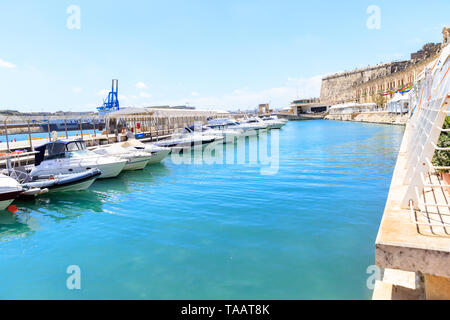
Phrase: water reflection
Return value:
(62, 207)
(14, 225)
(127, 181)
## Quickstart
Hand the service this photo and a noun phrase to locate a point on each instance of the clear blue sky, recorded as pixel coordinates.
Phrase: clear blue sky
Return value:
(212, 54)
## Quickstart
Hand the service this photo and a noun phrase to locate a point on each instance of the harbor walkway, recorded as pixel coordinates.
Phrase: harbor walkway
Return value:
(413, 243)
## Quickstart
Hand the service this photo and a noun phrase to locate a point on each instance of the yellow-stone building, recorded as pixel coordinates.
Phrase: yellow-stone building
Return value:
(369, 84)
(264, 109)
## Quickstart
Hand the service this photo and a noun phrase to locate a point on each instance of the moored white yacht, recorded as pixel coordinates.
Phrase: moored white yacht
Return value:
(158, 154)
(136, 160)
(66, 157)
(37, 185)
(221, 131)
(9, 190)
(244, 126)
(188, 139)
(257, 123)
(64, 182)
(272, 122)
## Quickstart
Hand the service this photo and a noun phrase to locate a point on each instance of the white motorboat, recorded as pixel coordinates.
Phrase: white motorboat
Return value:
(257, 123)
(274, 122)
(9, 190)
(60, 182)
(136, 160)
(158, 154)
(229, 135)
(66, 157)
(245, 127)
(187, 139)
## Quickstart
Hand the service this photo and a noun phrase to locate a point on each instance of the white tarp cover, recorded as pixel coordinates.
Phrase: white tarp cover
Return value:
(399, 103)
(352, 107)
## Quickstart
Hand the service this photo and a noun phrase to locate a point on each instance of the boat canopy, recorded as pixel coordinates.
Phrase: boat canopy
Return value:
(57, 149)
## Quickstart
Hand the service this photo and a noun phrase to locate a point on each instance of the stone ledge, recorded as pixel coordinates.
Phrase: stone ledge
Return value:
(388, 291)
(400, 243)
(371, 117)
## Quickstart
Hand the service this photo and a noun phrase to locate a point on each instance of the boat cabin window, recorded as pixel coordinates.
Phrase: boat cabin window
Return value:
(54, 150)
(49, 151)
(75, 146)
(195, 128)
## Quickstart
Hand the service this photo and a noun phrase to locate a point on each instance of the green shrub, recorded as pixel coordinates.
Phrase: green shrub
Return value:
(442, 158)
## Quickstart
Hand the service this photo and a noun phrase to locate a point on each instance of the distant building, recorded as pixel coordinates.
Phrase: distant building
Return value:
(264, 109)
(308, 106)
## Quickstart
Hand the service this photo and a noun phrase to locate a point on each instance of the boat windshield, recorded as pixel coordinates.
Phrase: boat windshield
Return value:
(80, 154)
(195, 128)
(75, 146)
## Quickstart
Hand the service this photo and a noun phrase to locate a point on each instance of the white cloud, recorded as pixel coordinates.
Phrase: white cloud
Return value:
(195, 94)
(77, 89)
(103, 92)
(123, 97)
(145, 95)
(141, 85)
(6, 64)
(245, 98)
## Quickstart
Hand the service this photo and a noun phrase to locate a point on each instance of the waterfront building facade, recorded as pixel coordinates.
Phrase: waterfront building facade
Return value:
(378, 84)
(308, 106)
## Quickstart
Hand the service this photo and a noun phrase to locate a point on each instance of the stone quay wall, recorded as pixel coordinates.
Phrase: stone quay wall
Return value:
(371, 117)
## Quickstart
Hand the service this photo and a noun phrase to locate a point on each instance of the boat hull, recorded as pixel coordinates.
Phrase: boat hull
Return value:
(276, 125)
(159, 156)
(79, 186)
(109, 170)
(137, 164)
(71, 182)
(7, 198)
(5, 204)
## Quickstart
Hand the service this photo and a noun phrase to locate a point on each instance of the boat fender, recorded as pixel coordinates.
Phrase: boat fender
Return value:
(13, 208)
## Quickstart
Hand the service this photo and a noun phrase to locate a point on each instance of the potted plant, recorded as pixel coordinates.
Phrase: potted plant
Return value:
(442, 157)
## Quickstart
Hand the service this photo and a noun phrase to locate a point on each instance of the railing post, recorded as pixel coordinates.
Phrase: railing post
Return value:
(48, 129)
(7, 137)
(81, 128)
(65, 127)
(29, 136)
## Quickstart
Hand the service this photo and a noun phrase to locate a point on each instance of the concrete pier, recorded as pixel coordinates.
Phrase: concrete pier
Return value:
(420, 253)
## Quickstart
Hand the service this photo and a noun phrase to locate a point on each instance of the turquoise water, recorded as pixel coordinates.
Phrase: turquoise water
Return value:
(218, 231)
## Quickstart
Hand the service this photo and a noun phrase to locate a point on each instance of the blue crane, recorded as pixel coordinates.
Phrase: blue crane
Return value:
(111, 103)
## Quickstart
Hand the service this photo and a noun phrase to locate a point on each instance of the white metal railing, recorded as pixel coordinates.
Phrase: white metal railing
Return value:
(430, 97)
